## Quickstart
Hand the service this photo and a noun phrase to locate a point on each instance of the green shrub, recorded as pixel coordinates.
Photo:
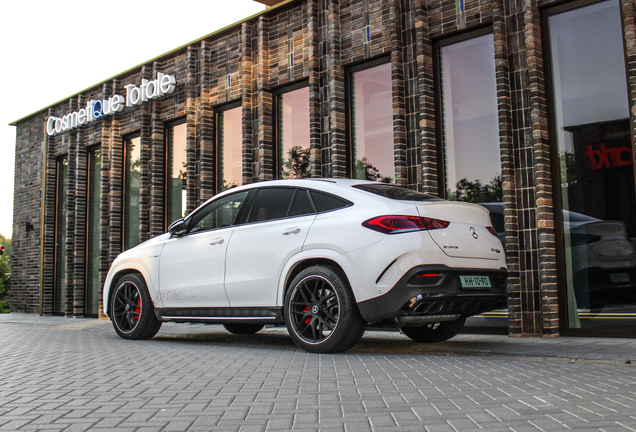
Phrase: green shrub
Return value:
(5, 274)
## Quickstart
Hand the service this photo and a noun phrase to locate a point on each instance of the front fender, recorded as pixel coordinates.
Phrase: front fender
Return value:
(131, 265)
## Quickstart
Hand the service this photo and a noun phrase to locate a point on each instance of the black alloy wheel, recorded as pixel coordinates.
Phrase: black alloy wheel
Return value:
(435, 331)
(132, 313)
(321, 313)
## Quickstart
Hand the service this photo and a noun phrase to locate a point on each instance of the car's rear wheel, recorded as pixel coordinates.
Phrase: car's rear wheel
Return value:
(243, 329)
(435, 331)
(133, 313)
(321, 312)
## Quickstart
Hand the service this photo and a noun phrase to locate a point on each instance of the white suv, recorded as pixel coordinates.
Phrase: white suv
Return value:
(326, 257)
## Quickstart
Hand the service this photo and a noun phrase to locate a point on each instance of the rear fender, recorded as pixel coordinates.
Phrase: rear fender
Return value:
(304, 256)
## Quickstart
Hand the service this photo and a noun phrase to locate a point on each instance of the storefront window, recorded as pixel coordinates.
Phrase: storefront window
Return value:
(93, 283)
(59, 288)
(472, 161)
(293, 134)
(595, 166)
(131, 191)
(177, 193)
(372, 118)
(230, 147)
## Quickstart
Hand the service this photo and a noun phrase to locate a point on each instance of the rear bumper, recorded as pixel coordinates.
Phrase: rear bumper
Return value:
(437, 296)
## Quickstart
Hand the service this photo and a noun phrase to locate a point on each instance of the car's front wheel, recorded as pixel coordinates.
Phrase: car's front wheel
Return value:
(435, 331)
(321, 312)
(133, 313)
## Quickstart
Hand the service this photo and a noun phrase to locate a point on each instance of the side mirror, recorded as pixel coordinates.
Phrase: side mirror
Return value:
(177, 228)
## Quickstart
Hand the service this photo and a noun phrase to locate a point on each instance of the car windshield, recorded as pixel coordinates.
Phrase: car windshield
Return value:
(396, 192)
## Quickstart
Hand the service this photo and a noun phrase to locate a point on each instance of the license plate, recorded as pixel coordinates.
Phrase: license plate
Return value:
(619, 277)
(475, 282)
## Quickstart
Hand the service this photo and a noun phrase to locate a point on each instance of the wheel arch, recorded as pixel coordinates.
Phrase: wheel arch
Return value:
(112, 281)
(292, 270)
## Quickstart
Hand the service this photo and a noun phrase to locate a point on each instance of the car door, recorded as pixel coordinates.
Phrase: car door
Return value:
(276, 228)
(192, 267)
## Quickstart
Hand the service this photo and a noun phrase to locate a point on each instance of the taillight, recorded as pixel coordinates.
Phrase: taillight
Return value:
(492, 231)
(402, 224)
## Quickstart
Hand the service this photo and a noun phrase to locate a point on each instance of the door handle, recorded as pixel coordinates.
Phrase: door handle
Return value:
(291, 231)
(217, 241)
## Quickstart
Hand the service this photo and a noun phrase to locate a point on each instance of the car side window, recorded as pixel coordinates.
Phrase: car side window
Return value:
(271, 203)
(218, 213)
(325, 202)
(302, 204)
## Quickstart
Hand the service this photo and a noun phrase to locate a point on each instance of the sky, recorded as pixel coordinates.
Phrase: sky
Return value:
(52, 50)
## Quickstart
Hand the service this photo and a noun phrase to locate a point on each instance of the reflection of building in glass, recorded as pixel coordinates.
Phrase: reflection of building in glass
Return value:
(531, 120)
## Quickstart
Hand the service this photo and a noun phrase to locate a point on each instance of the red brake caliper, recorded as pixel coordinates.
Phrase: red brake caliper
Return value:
(138, 309)
(307, 310)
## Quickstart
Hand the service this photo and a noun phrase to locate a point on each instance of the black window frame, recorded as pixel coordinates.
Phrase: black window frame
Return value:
(167, 126)
(349, 126)
(439, 108)
(218, 165)
(277, 117)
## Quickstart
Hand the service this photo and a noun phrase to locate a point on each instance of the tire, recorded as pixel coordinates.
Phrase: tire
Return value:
(435, 331)
(321, 312)
(133, 313)
(243, 329)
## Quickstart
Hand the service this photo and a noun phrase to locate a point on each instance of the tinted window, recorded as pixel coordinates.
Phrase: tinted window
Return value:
(218, 213)
(302, 204)
(325, 202)
(497, 222)
(396, 192)
(271, 203)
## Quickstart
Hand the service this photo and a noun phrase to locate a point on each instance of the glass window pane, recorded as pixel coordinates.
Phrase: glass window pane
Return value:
(325, 202)
(373, 150)
(218, 213)
(131, 191)
(596, 171)
(59, 290)
(271, 204)
(93, 285)
(230, 148)
(294, 134)
(177, 197)
(302, 204)
(472, 158)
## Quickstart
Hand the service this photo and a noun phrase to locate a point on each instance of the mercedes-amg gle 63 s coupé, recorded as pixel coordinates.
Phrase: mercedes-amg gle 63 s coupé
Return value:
(325, 257)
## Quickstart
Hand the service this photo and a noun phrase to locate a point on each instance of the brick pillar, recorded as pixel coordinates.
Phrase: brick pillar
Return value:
(426, 96)
(265, 168)
(399, 94)
(247, 102)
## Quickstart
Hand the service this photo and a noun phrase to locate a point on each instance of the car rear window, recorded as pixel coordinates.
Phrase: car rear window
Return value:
(397, 192)
(325, 202)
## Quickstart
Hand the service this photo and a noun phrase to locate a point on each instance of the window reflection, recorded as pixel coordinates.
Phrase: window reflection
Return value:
(472, 159)
(373, 149)
(293, 139)
(230, 145)
(131, 192)
(595, 164)
(93, 283)
(177, 193)
(59, 290)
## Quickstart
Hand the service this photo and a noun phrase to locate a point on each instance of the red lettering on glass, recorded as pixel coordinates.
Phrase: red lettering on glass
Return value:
(609, 157)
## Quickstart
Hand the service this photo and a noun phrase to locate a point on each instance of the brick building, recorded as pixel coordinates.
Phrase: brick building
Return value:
(529, 105)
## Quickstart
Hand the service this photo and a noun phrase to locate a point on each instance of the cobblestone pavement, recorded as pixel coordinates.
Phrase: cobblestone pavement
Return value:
(201, 378)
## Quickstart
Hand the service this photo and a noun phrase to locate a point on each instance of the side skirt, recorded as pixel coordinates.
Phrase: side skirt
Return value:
(270, 315)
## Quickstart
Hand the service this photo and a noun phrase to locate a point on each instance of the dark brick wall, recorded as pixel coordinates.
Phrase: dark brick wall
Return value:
(325, 37)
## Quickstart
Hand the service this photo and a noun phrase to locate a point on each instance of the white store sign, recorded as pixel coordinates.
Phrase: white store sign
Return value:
(95, 109)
